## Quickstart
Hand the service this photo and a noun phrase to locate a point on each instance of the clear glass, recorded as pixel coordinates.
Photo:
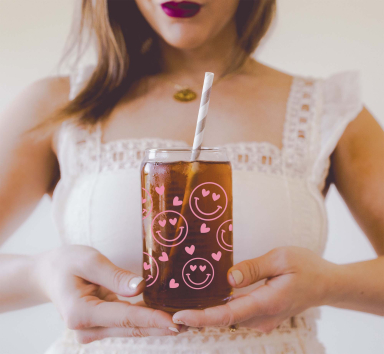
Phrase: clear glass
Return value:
(187, 228)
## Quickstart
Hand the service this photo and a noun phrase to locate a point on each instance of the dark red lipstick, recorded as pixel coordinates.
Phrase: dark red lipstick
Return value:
(182, 9)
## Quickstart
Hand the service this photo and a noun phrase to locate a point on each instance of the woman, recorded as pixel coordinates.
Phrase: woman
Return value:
(288, 138)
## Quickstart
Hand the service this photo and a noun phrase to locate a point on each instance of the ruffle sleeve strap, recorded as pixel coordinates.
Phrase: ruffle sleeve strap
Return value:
(340, 104)
(78, 79)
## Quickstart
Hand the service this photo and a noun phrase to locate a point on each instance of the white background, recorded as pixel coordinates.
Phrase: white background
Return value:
(315, 38)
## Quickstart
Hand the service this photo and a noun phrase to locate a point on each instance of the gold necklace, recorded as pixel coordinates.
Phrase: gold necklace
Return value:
(184, 94)
(187, 94)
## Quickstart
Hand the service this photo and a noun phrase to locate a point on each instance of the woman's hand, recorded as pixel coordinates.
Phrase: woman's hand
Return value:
(296, 279)
(83, 284)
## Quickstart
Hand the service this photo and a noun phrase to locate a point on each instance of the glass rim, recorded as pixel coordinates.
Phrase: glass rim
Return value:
(184, 149)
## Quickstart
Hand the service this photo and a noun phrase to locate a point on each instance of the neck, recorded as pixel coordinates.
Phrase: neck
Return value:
(190, 65)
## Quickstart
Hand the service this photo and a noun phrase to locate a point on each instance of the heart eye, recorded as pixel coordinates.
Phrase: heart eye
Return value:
(162, 222)
(205, 193)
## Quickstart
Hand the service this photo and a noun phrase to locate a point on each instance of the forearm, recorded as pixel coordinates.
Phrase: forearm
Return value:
(18, 288)
(359, 286)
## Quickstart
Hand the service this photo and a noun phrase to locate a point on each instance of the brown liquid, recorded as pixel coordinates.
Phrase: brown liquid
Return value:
(205, 275)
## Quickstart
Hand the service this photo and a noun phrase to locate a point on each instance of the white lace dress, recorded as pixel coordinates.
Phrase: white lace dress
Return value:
(277, 201)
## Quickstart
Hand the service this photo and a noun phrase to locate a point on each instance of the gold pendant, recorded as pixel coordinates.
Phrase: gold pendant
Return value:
(185, 95)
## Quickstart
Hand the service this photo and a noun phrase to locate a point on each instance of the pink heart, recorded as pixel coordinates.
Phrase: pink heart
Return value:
(230, 227)
(177, 202)
(190, 250)
(144, 200)
(160, 190)
(162, 222)
(202, 268)
(164, 257)
(215, 196)
(146, 266)
(193, 267)
(205, 193)
(173, 284)
(173, 221)
(216, 256)
(204, 229)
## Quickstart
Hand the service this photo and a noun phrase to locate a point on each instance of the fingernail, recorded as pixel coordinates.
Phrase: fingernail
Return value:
(135, 282)
(178, 321)
(237, 276)
(174, 329)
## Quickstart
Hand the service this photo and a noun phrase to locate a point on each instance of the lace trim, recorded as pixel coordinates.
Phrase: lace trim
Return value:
(93, 156)
(296, 335)
(123, 154)
(297, 133)
(263, 157)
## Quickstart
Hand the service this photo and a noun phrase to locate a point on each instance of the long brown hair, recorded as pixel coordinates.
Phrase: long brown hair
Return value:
(127, 51)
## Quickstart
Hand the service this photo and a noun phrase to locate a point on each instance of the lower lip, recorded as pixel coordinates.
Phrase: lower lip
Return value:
(183, 9)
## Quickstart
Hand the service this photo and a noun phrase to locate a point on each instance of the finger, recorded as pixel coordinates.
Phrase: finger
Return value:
(90, 335)
(235, 311)
(106, 295)
(123, 315)
(264, 324)
(237, 296)
(253, 270)
(98, 269)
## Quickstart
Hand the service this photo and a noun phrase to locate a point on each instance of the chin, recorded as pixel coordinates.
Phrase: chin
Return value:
(184, 39)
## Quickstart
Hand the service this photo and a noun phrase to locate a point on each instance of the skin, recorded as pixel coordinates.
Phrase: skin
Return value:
(67, 276)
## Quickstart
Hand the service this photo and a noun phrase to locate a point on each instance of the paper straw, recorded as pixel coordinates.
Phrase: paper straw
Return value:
(197, 142)
(202, 117)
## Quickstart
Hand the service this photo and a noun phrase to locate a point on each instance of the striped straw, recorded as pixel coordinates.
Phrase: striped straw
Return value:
(202, 118)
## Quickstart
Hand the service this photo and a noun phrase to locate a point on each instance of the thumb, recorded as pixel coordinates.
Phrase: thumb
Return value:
(101, 271)
(253, 270)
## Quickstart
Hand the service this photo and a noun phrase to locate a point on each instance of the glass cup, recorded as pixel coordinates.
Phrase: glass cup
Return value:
(187, 228)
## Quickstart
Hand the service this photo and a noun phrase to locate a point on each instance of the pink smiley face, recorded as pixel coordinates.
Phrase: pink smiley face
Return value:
(208, 201)
(223, 235)
(169, 228)
(147, 203)
(198, 273)
(150, 269)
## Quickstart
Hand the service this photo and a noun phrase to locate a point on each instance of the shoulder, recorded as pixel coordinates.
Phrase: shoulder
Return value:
(363, 135)
(45, 96)
(37, 101)
(32, 106)
(31, 155)
(40, 98)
